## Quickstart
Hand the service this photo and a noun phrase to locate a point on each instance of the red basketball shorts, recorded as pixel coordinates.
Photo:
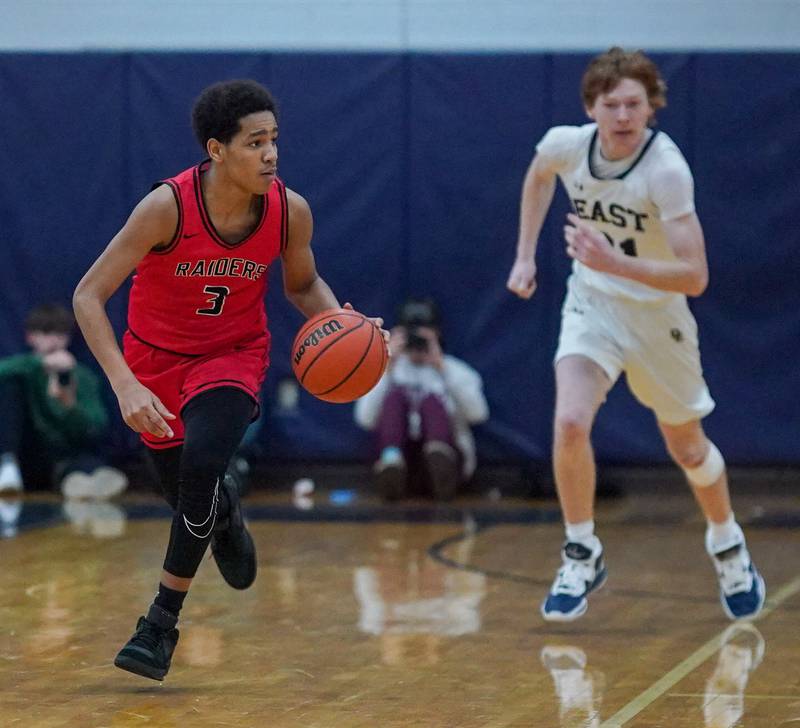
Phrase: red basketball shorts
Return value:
(176, 378)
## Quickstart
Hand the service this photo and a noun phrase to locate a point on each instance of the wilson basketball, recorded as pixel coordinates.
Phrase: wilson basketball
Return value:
(339, 355)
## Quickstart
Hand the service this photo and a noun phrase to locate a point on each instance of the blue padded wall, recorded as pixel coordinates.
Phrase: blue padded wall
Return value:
(412, 164)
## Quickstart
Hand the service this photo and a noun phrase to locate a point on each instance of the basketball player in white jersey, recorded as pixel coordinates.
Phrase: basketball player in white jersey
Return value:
(638, 251)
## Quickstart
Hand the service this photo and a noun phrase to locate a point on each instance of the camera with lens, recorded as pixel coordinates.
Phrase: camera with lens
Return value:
(415, 341)
(415, 314)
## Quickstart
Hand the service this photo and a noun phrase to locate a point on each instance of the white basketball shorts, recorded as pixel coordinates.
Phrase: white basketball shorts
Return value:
(655, 344)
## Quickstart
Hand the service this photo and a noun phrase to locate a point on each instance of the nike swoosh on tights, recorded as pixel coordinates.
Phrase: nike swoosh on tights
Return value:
(212, 516)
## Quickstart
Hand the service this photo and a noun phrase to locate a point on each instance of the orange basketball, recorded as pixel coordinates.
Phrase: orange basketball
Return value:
(339, 355)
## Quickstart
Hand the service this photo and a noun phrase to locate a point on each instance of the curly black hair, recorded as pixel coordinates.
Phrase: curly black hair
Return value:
(218, 109)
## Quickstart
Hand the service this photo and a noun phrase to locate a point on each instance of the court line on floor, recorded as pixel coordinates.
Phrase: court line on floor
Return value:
(697, 658)
(749, 696)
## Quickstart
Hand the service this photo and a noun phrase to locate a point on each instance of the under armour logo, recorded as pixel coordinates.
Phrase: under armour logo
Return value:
(212, 516)
(676, 334)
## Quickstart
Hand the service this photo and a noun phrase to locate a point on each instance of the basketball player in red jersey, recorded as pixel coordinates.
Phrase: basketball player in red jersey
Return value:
(196, 350)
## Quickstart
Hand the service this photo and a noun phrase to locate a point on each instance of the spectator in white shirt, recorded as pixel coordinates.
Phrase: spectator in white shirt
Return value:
(422, 410)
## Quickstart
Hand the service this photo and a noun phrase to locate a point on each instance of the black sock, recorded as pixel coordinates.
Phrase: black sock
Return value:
(169, 600)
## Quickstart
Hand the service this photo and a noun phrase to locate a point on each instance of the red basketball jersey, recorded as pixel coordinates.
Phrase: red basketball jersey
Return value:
(200, 294)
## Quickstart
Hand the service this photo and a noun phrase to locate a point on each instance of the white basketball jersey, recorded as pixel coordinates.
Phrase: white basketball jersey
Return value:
(627, 208)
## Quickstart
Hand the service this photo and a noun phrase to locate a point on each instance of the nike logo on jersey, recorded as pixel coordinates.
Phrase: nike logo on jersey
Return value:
(190, 235)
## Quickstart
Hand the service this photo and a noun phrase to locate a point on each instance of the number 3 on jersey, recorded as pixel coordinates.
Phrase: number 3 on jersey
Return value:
(217, 300)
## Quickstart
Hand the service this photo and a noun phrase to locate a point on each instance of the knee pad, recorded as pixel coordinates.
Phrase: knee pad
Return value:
(708, 472)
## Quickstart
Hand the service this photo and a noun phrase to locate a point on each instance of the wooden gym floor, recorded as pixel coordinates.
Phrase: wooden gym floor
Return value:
(374, 617)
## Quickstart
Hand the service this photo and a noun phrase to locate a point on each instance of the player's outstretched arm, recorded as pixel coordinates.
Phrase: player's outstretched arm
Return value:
(152, 222)
(302, 284)
(537, 195)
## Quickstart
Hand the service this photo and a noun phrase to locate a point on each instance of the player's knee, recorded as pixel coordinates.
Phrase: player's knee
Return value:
(571, 429)
(689, 455)
(198, 498)
(702, 469)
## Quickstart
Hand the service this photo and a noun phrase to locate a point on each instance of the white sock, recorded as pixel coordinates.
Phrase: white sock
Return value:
(10, 475)
(392, 456)
(581, 533)
(8, 460)
(722, 536)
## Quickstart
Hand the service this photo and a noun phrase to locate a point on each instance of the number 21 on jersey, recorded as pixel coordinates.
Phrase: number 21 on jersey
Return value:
(627, 246)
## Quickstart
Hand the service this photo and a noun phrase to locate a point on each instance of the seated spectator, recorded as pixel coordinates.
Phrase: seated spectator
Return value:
(422, 409)
(52, 415)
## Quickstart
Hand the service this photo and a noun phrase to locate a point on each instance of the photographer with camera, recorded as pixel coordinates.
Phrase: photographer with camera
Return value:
(52, 415)
(422, 410)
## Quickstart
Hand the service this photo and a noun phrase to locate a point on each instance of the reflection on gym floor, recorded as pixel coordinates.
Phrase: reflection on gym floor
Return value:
(413, 603)
(579, 688)
(741, 653)
(365, 615)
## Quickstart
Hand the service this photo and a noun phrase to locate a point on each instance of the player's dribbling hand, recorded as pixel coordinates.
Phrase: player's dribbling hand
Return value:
(377, 321)
(143, 411)
(522, 279)
(589, 246)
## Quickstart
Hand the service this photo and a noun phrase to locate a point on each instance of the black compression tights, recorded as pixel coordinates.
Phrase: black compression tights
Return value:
(191, 474)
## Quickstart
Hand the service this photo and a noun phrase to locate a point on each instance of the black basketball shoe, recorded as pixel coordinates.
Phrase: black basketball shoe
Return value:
(231, 543)
(149, 652)
(441, 462)
(391, 480)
